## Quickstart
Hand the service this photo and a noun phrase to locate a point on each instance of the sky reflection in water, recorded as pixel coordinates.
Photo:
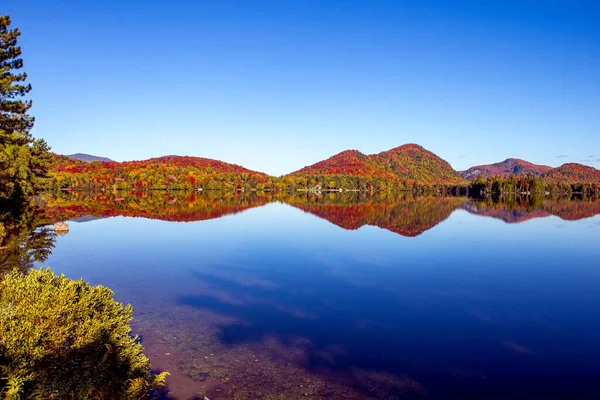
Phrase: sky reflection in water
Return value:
(467, 306)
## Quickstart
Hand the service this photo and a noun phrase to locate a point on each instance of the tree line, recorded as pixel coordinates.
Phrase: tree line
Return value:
(68, 174)
(528, 184)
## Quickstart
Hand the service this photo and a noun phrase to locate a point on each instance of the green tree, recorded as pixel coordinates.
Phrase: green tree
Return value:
(23, 159)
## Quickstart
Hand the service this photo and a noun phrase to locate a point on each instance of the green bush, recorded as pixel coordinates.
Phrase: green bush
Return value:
(2, 232)
(65, 339)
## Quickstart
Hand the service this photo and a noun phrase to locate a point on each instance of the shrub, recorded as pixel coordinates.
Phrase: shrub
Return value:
(66, 339)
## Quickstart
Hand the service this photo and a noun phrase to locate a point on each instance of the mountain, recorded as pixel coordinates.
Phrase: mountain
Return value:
(66, 163)
(414, 163)
(349, 162)
(170, 172)
(88, 157)
(509, 166)
(408, 163)
(573, 173)
(407, 167)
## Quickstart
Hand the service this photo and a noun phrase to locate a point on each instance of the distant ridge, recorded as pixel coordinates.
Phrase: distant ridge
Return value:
(509, 166)
(88, 157)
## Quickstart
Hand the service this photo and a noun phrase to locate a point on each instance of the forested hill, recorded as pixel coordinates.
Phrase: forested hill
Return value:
(507, 167)
(412, 162)
(572, 174)
(407, 167)
(171, 172)
(349, 162)
(566, 179)
(400, 167)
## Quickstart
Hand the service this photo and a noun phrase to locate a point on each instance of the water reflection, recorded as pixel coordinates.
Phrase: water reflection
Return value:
(273, 302)
(26, 238)
(399, 213)
(402, 214)
(520, 209)
(166, 206)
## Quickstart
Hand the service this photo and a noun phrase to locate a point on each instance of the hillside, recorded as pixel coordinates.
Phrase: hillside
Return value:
(509, 166)
(171, 172)
(88, 157)
(407, 167)
(573, 173)
(349, 162)
(412, 162)
(405, 164)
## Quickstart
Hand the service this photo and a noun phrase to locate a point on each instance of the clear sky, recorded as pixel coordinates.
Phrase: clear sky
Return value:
(277, 85)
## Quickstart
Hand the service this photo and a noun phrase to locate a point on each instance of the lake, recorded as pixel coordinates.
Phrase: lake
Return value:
(345, 295)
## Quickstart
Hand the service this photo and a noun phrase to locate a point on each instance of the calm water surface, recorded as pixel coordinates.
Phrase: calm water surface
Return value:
(349, 296)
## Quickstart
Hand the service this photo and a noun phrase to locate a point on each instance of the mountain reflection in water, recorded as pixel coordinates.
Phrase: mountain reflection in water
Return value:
(403, 214)
(262, 300)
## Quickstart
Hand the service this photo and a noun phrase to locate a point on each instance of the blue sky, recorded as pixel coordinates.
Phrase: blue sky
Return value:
(277, 85)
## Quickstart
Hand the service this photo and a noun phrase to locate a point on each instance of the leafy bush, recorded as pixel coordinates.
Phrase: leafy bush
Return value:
(61, 338)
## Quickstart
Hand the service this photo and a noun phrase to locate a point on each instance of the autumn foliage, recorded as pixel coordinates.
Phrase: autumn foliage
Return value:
(510, 166)
(573, 174)
(512, 209)
(414, 163)
(176, 207)
(349, 162)
(405, 215)
(171, 172)
(405, 167)
(408, 167)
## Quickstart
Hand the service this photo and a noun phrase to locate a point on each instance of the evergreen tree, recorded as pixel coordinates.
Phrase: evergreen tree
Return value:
(23, 159)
